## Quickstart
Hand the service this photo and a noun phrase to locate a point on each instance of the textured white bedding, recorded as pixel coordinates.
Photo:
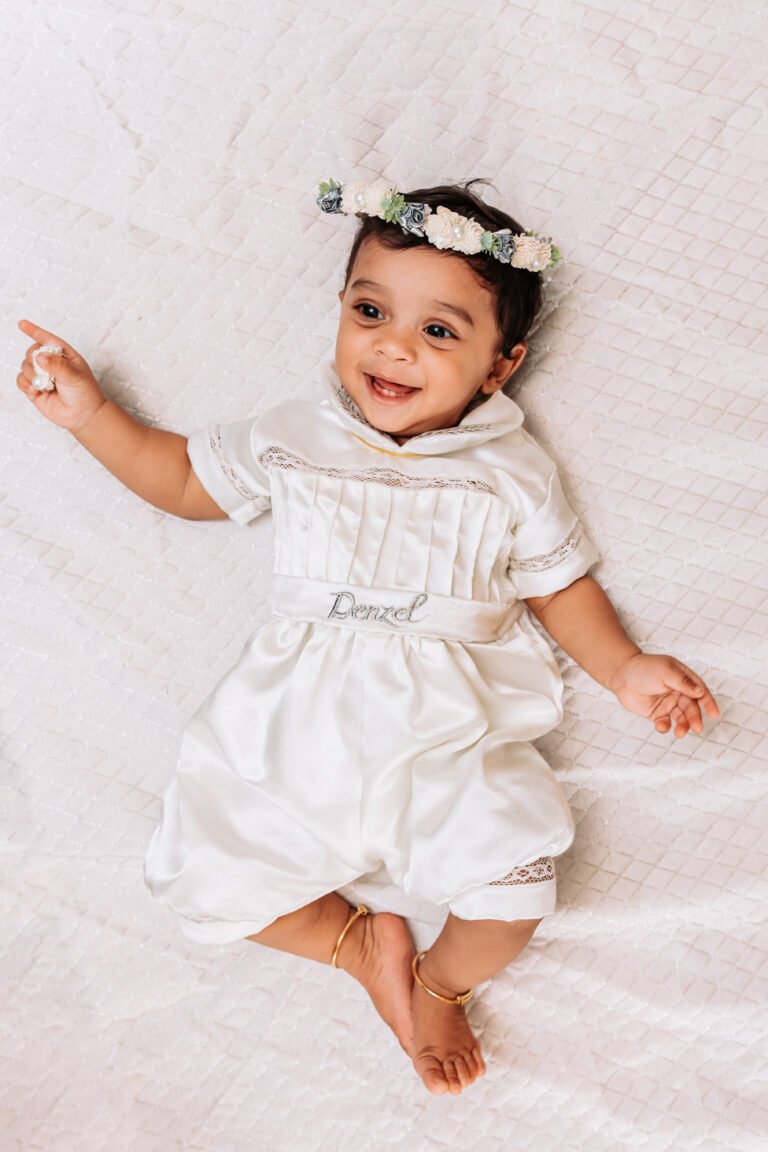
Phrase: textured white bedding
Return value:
(159, 164)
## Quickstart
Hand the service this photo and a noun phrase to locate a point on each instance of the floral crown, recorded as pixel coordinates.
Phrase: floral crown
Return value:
(443, 228)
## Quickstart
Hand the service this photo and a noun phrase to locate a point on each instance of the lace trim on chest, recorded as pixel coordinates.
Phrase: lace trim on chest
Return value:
(538, 872)
(553, 558)
(277, 457)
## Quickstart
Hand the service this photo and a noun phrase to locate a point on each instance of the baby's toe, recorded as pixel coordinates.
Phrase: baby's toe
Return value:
(465, 1070)
(431, 1071)
(454, 1075)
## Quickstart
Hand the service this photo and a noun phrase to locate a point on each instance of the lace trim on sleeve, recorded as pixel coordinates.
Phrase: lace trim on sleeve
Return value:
(256, 498)
(553, 558)
(537, 872)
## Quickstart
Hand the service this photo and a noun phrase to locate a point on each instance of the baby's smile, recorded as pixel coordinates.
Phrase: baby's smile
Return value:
(389, 390)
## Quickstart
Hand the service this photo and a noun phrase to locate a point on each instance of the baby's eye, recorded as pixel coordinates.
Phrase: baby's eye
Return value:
(370, 311)
(439, 331)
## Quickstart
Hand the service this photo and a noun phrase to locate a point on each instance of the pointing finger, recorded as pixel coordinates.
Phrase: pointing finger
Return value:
(42, 336)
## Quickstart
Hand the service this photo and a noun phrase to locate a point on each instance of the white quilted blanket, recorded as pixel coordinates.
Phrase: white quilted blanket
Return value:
(159, 165)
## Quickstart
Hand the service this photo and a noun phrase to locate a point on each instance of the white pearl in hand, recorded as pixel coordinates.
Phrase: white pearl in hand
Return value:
(42, 382)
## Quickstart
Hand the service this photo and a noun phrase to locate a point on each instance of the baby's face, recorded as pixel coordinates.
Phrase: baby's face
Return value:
(417, 339)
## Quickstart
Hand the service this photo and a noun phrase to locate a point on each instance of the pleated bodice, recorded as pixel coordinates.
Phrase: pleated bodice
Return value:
(448, 541)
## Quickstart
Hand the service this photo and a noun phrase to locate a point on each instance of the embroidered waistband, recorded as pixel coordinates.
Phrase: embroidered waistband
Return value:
(393, 610)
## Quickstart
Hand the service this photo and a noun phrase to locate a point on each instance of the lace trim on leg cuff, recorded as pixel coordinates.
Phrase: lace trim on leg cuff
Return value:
(536, 872)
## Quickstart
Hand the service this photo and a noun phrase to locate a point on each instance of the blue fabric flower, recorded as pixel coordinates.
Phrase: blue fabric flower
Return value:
(413, 216)
(330, 197)
(503, 248)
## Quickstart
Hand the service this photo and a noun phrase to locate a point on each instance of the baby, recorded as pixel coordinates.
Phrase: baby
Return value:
(384, 715)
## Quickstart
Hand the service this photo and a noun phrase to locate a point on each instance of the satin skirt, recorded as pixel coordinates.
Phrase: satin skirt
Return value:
(327, 751)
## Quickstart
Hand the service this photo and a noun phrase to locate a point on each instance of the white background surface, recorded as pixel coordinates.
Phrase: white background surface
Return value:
(159, 166)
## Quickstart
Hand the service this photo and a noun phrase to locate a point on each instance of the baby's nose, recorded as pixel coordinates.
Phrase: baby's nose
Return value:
(395, 343)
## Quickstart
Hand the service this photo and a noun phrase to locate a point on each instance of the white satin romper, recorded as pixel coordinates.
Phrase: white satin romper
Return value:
(384, 715)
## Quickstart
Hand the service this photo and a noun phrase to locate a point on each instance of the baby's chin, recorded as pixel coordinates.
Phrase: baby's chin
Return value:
(397, 429)
(386, 423)
(398, 434)
(395, 423)
(404, 433)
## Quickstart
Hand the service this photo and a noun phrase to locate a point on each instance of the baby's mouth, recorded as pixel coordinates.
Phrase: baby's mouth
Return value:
(388, 389)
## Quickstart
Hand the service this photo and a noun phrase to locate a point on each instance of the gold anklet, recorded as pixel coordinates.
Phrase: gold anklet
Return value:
(460, 999)
(361, 911)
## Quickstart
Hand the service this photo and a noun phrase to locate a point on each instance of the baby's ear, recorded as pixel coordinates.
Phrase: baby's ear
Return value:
(504, 367)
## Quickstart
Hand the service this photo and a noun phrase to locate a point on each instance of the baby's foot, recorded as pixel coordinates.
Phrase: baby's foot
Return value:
(445, 1052)
(378, 951)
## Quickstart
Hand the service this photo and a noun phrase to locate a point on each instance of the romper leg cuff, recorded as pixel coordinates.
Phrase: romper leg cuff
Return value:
(221, 931)
(527, 893)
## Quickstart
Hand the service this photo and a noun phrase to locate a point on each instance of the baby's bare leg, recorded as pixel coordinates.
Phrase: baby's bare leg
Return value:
(377, 951)
(311, 931)
(446, 1053)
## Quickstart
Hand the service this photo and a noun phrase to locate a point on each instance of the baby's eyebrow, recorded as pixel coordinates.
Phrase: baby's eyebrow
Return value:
(461, 313)
(365, 284)
(456, 310)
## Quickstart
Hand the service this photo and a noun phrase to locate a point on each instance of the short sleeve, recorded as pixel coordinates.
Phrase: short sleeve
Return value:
(551, 548)
(224, 459)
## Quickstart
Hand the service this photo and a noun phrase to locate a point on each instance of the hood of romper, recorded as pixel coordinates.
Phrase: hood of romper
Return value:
(485, 419)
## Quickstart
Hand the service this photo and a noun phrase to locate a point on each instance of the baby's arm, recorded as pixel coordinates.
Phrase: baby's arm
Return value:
(582, 620)
(151, 462)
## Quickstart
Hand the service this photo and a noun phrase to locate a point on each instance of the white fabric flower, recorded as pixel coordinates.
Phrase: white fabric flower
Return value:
(446, 229)
(376, 194)
(531, 253)
(353, 198)
(367, 198)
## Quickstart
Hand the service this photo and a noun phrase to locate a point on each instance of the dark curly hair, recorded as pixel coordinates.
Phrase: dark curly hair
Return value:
(518, 292)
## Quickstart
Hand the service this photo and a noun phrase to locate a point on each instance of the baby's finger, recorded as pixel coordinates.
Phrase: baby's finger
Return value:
(694, 686)
(44, 337)
(684, 679)
(678, 720)
(688, 717)
(24, 385)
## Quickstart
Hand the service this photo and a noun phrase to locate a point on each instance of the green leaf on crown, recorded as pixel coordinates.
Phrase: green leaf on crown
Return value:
(393, 208)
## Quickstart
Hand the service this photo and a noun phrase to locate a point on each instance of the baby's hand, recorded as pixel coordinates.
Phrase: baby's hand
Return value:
(665, 691)
(76, 397)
